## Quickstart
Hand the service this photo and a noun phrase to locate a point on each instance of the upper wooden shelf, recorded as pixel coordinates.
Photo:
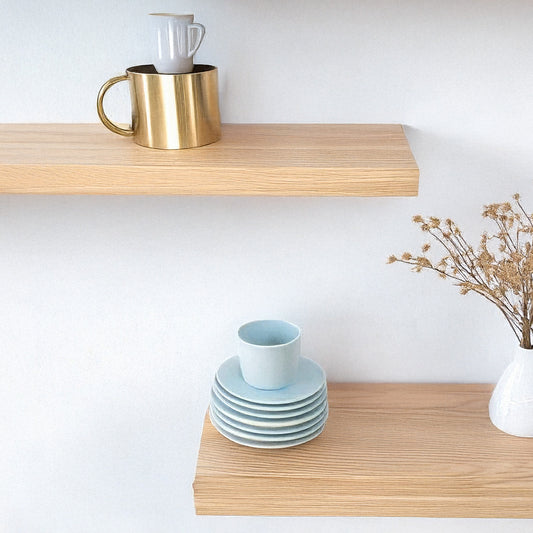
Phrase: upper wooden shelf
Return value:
(387, 450)
(250, 160)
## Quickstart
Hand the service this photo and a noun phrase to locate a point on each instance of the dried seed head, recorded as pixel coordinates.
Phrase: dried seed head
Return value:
(434, 222)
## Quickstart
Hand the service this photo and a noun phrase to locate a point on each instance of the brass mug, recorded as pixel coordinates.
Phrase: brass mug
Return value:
(169, 111)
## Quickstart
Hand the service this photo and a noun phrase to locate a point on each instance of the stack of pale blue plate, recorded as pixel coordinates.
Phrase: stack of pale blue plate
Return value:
(269, 418)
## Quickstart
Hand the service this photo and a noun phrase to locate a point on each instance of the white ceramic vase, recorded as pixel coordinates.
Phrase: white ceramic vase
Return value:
(511, 404)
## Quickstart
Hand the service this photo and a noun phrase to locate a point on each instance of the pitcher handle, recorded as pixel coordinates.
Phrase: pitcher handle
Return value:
(127, 132)
(200, 37)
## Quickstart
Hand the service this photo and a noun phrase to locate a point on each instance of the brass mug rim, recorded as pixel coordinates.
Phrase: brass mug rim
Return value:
(149, 70)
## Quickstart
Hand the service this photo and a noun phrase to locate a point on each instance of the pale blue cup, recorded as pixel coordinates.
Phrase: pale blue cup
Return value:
(269, 353)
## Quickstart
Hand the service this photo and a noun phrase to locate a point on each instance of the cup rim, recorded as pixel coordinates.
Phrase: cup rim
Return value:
(171, 14)
(267, 346)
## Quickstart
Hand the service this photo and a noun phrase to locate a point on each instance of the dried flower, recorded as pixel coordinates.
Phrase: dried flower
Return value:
(501, 270)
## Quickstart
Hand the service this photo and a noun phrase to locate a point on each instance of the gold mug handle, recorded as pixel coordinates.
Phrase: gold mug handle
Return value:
(127, 132)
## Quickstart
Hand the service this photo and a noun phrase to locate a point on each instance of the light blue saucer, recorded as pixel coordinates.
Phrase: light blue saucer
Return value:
(270, 431)
(267, 407)
(310, 379)
(262, 413)
(267, 422)
(262, 444)
(262, 437)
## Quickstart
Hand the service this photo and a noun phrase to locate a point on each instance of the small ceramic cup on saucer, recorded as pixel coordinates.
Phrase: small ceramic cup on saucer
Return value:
(269, 353)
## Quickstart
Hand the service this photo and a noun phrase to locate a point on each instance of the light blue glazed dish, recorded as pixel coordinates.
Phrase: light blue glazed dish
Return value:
(266, 407)
(277, 418)
(284, 437)
(266, 422)
(263, 413)
(254, 443)
(269, 430)
(309, 380)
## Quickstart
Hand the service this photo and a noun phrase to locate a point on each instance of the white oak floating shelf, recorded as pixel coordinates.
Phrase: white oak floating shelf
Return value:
(250, 160)
(388, 450)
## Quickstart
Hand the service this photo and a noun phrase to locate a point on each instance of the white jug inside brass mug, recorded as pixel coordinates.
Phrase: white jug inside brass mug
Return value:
(177, 40)
(169, 111)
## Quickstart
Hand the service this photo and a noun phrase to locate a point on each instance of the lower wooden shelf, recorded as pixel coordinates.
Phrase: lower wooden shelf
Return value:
(387, 450)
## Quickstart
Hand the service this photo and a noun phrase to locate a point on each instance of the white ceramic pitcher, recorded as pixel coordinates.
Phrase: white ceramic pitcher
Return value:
(178, 39)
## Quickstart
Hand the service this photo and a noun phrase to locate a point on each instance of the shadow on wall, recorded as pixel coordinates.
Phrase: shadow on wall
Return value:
(455, 169)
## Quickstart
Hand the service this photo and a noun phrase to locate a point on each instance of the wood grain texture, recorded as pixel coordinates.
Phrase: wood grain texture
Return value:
(250, 160)
(388, 450)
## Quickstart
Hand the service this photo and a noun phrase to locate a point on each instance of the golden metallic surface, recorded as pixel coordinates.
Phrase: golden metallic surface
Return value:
(169, 111)
(100, 107)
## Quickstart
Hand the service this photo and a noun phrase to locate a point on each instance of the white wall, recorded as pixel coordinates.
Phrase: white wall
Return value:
(116, 311)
